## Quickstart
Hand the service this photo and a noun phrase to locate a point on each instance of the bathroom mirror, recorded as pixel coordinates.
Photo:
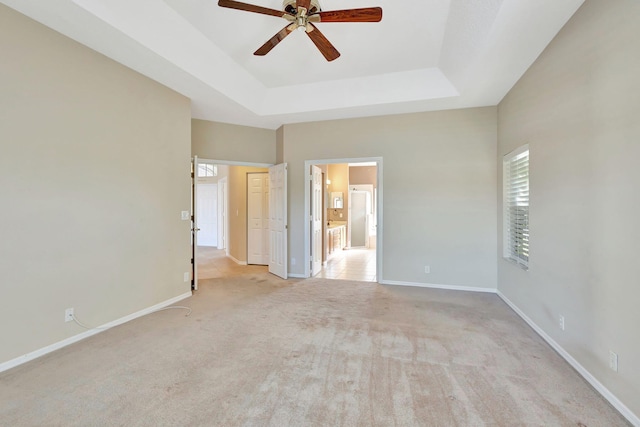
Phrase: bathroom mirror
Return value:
(336, 200)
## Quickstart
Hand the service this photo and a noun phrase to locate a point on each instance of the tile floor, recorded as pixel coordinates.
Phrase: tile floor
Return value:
(349, 264)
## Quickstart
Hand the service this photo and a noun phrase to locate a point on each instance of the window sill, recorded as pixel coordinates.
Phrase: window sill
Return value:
(516, 263)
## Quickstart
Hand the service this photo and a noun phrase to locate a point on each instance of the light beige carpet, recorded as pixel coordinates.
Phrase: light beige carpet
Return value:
(258, 351)
(214, 264)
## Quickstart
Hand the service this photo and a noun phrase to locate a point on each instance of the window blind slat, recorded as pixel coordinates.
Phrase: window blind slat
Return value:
(516, 207)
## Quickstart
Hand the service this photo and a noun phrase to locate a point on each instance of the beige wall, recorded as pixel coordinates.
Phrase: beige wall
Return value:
(222, 141)
(362, 175)
(439, 189)
(94, 173)
(238, 210)
(578, 108)
(280, 145)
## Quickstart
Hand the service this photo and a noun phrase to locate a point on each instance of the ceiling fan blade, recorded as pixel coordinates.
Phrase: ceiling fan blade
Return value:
(273, 41)
(321, 42)
(231, 4)
(367, 14)
(303, 3)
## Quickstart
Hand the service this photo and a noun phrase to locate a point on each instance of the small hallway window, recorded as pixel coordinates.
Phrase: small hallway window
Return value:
(516, 206)
(207, 170)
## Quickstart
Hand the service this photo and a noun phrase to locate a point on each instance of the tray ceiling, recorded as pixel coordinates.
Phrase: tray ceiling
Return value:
(424, 55)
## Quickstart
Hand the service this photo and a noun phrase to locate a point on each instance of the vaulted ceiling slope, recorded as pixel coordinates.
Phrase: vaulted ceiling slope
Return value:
(424, 55)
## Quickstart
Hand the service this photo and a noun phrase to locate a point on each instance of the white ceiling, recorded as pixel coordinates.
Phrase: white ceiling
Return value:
(424, 55)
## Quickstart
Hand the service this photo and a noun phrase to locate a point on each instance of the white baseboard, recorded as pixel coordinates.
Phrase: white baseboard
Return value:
(621, 407)
(296, 276)
(58, 345)
(237, 261)
(436, 286)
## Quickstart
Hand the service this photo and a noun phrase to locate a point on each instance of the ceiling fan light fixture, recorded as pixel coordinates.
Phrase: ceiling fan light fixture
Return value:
(301, 14)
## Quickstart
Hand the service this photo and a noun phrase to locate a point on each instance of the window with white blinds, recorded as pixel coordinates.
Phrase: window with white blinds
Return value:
(516, 206)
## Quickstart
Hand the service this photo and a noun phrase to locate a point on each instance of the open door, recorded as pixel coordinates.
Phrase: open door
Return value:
(194, 224)
(222, 213)
(316, 220)
(278, 220)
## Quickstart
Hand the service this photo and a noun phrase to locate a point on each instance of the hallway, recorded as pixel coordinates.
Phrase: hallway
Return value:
(350, 264)
(213, 263)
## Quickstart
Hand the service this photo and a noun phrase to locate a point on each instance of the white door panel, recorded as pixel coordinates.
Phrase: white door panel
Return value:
(222, 213)
(359, 205)
(208, 214)
(278, 220)
(194, 224)
(316, 220)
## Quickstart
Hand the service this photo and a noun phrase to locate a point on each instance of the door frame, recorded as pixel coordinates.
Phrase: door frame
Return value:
(194, 223)
(226, 224)
(379, 213)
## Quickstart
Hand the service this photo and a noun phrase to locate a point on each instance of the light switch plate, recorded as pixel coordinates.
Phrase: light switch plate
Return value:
(185, 215)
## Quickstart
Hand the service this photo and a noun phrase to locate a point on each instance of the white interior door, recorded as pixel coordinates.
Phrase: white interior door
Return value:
(207, 214)
(316, 220)
(278, 220)
(258, 218)
(222, 213)
(194, 224)
(358, 226)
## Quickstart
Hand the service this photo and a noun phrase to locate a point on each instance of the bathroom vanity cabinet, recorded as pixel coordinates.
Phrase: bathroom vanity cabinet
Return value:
(336, 238)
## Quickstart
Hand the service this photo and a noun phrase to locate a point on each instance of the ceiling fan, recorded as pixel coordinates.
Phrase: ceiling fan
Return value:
(302, 14)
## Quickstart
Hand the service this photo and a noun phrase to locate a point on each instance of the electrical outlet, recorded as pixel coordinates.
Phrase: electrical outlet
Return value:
(68, 315)
(293, 261)
(561, 322)
(613, 361)
(186, 276)
(427, 269)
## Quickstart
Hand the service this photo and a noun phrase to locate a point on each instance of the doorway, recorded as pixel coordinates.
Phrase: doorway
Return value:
(232, 225)
(348, 210)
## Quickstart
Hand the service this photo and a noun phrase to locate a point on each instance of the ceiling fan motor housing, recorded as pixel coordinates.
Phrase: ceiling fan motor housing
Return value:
(290, 6)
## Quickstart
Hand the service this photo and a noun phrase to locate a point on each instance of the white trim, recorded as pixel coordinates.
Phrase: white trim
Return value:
(437, 286)
(516, 151)
(600, 388)
(296, 276)
(60, 344)
(237, 261)
(379, 221)
(235, 163)
(307, 211)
